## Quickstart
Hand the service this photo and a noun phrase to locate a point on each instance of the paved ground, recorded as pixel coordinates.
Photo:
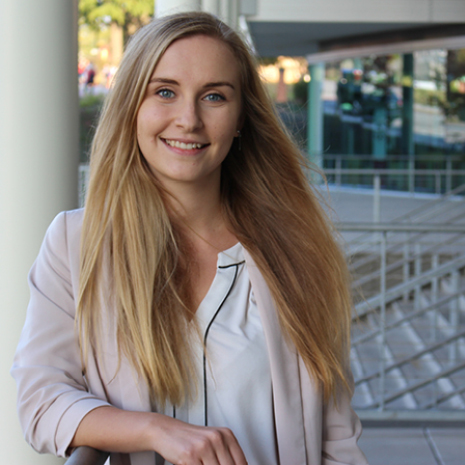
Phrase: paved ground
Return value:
(398, 445)
(414, 446)
(351, 204)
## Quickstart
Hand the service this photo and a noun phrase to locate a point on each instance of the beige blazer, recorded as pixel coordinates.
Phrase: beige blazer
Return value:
(54, 396)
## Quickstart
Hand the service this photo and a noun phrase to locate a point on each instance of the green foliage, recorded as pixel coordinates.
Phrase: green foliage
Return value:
(98, 13)
(265, 61)
(90, 107)
(91, 100)
(301, 92)
(435, 98)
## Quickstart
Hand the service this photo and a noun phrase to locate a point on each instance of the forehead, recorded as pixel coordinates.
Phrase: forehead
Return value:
(198, 57)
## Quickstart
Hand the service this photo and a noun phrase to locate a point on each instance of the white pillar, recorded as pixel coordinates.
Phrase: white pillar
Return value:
(39, 153)
(167, 7)
(211, 6)
(229, 12)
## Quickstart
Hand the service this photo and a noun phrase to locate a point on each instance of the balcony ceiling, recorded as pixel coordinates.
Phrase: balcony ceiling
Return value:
(303, 38)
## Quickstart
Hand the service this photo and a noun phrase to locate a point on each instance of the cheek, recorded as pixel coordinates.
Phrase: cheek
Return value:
(150, 119)
(227, 129)
(140, 124)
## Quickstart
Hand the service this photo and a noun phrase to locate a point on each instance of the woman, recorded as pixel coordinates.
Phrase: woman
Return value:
(201, 287)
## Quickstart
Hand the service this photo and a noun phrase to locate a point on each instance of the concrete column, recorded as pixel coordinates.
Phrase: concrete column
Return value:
(226, 10)
(39, 153)
(231, 12)
(167, 7)
(315, 114)
(211, 6)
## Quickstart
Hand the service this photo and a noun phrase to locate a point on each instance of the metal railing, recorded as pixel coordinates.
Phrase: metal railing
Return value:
(404, 170)
(425, 306)
(87, 456)
(444, 212)
(410, 174)
(408, 345)
(443, 177)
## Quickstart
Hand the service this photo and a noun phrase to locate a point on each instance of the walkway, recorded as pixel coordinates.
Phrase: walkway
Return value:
(350, 204)
(414, 446)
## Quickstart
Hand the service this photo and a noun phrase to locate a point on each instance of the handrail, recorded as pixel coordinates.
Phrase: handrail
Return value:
(406, 360)
(410, 316)
(444, 398)
(369, 277)
(394, 171)
(406, 157)
(422, 208)
(418, 385)
(401, 227)
(362, 240)
(87, 456)
(423, 212)
(398, 291)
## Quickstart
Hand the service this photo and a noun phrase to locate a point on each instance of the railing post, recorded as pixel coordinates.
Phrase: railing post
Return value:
(417, 302)
(453, 314)
(448, 174)
(338, 170)
(434, 295)
(406, 266)
(438, 182)
(376, 198)
(382, 378)
(411, 174)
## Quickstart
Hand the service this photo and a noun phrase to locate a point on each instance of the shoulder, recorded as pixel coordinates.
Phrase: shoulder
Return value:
(61, 246)
(65, 229)
(66, 221)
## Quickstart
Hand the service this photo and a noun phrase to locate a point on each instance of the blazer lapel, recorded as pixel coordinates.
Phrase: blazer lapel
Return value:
(285, 375)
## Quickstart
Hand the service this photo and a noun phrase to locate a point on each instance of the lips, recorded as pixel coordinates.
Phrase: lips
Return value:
(184, 145)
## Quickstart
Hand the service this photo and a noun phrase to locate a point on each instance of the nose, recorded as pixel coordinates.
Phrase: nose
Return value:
(188, 116)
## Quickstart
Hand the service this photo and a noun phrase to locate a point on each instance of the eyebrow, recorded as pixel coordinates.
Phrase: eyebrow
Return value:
(206, 86)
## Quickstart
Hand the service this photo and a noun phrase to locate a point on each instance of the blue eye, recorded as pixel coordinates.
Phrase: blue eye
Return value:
(214, 98)
(165, 93)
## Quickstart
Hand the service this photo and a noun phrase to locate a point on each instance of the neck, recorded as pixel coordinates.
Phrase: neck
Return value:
(196, 209)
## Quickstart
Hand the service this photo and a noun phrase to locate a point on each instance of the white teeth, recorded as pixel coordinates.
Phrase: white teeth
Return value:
(182, 145)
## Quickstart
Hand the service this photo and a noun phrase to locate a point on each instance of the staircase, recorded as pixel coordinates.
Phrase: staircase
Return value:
(408, 335)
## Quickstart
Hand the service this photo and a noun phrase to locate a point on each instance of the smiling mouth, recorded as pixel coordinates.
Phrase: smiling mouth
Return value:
(183, 145)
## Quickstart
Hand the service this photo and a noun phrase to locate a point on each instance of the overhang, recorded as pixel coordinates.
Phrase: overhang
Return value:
(307, 38)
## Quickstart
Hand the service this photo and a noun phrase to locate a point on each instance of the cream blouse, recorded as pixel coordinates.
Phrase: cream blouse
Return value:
(235, 389)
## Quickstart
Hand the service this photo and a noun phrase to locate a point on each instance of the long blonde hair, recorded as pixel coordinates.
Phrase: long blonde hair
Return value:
(128, 237)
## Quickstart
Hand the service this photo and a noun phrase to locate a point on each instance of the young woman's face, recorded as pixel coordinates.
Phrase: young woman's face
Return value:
(191, 111)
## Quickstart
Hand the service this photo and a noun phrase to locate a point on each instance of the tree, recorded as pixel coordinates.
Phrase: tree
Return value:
(128, 15)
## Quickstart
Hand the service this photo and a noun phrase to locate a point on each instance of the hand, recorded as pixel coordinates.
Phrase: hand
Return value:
(184, 444)
(112, 429)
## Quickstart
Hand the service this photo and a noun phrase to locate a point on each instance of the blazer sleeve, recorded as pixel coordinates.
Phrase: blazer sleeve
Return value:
(52, 392)
(341, 431)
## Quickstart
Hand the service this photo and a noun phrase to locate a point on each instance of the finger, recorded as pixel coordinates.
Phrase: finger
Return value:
(231, 453)
(237, 455)
(201, 451)
(218, 448)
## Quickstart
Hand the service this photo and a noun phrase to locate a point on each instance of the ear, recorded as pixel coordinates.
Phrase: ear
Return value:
(240, 125)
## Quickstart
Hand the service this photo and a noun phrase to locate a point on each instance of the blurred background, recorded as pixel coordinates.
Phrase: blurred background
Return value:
(374, 94)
